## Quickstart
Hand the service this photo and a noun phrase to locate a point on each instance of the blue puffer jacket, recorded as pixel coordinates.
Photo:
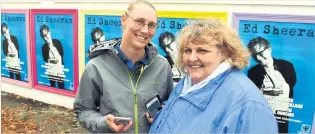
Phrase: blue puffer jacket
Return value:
(230, 103)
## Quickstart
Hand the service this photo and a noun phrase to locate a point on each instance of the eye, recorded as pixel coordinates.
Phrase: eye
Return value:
(202, 51)
(187, 51)
(140, 22)
(152, 25)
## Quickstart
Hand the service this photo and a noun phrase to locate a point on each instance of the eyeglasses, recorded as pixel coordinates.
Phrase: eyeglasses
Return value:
(260, 53)
(141, 23)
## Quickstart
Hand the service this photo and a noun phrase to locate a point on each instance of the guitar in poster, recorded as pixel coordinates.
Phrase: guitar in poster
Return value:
(281, 67)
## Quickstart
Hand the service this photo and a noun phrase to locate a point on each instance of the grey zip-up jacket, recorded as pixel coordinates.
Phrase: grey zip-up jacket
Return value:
(108, 87)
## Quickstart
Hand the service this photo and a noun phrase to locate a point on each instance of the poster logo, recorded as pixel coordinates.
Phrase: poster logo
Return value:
(305, 128)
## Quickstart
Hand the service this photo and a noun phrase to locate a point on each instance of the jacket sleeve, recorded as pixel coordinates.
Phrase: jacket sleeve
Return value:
(86, 105)
(253, 77)
(170, 83)
(59, 47)
(45, 53)
(252, 117)
(5, 47)
(17, 46)
(293, 75)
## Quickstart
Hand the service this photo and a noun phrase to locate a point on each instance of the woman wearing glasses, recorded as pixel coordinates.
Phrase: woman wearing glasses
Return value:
(122, 74)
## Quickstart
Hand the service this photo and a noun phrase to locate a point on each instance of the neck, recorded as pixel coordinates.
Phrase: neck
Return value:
(194, 82)
(132, 53)
(270, 65)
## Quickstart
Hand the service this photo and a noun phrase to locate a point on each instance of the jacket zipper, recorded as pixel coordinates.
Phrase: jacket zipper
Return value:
(134, 92)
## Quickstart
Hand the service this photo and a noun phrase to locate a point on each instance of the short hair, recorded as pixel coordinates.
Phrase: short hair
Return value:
(131, 5)
(42, 28)
(3, 25)
(214, 32)
(165, 35)
(94, 31)
(258, 41)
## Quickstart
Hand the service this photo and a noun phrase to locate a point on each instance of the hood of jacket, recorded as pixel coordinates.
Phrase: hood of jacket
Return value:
(109, 45)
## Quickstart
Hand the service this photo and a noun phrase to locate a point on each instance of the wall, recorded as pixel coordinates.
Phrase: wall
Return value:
(306, 7)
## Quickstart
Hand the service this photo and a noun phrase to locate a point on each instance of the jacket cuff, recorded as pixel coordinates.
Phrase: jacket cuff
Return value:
(102, 125)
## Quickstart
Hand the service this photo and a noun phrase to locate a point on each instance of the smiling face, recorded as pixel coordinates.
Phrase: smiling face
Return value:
(134, 34)
(201, 60)
(262, 55)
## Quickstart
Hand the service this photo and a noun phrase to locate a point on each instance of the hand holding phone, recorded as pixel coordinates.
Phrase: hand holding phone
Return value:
(118, 126)
(153, 105)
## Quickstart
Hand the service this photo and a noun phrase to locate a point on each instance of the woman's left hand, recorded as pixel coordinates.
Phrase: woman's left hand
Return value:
(150, 120)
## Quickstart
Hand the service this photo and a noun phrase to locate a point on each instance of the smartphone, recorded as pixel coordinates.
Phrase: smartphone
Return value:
(122, 118)
(153, 105)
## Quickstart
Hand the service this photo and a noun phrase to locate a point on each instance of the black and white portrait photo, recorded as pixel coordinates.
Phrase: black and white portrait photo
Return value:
(10, 49)
(97, 36)
(274, 77)
(168, 44)
(52, 52)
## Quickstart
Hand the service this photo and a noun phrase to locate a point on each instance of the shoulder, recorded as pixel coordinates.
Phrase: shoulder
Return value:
(160, 62)
(283, 62)
(96, 60)
(45, 46)
(256, 68)
(161, 59)
(13, 37)
(92, 66)
(239, 86)
(4, 42)
(56, 40)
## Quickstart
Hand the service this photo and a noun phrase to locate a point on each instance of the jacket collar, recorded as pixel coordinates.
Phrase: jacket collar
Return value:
(202, 97)
(99, 49)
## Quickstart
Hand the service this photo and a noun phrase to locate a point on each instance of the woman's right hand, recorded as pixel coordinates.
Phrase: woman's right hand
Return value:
(116, 126)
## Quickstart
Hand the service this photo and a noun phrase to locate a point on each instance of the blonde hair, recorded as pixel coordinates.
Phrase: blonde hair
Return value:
(214, 32)
(131, 5)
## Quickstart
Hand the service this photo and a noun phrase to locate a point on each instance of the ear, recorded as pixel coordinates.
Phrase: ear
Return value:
(269, 49)
(123, 20)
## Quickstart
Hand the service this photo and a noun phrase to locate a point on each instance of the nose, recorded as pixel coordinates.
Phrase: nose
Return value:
(193, 57)
(259, 57)
(145, 29)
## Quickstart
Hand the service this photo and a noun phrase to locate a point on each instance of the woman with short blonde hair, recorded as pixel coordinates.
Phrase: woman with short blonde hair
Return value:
(214, 96)
(214, 32)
